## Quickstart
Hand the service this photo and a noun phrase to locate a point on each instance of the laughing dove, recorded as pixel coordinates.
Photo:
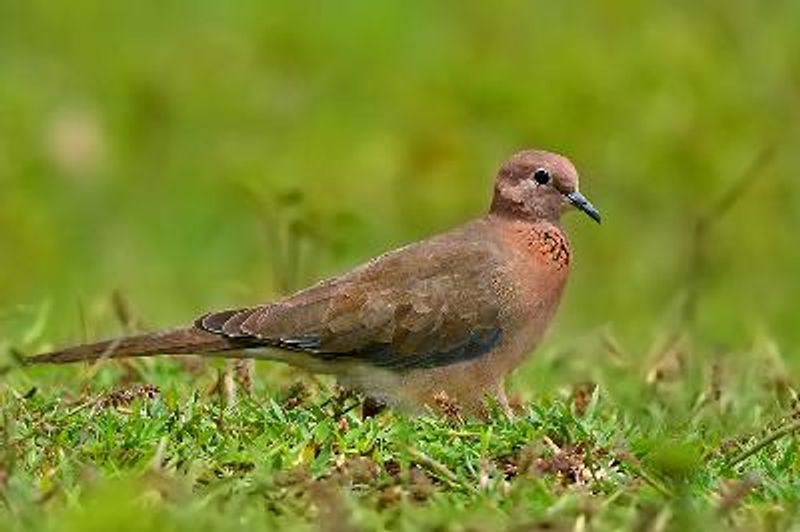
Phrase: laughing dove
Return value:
(452, 315)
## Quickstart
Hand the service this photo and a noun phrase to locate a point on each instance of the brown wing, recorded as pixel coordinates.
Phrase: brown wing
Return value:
(427, 305)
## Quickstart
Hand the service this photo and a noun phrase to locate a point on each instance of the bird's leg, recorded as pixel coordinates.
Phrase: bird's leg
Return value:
(243, 369)
(502, 400)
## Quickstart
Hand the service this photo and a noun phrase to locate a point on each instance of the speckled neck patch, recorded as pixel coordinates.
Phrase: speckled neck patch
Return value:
(552, 244)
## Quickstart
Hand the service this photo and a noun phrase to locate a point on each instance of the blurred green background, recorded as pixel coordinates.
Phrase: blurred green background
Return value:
(206, 154)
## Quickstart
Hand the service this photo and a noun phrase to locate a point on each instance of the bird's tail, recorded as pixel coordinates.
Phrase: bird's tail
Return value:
(175, 342)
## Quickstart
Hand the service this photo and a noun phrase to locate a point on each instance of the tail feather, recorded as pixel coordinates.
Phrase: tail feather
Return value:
(175, 342)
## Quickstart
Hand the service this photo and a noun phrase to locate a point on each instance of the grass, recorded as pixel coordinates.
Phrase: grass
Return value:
(154, 445)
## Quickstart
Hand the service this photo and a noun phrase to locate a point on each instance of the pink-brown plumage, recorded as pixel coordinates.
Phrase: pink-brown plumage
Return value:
(453, 314)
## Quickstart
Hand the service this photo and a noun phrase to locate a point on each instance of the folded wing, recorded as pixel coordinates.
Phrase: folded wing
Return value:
(418, 307)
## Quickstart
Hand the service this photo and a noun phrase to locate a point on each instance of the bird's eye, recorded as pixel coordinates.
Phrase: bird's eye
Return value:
(541, 176)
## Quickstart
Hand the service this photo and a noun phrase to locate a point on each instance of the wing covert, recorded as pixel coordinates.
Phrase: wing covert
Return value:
(417, 307)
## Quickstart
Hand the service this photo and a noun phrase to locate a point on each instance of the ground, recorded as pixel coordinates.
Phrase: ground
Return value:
(185, 444)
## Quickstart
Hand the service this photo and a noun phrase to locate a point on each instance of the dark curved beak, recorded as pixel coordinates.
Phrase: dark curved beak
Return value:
(581, 203)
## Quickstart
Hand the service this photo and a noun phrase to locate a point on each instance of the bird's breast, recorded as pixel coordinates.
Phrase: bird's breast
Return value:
(538, 260)
(539, 253)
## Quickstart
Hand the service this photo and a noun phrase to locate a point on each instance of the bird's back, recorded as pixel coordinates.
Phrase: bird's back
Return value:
(429, 304)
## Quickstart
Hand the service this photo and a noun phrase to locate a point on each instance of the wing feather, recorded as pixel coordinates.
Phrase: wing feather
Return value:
(425, 305)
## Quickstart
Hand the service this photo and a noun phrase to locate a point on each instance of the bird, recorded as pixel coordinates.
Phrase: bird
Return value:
(449, 316)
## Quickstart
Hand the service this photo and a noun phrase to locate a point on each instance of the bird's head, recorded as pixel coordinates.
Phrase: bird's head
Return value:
(539, 185)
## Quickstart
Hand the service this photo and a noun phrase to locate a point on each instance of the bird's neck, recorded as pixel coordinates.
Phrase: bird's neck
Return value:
(542, 240)
(505, 207)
